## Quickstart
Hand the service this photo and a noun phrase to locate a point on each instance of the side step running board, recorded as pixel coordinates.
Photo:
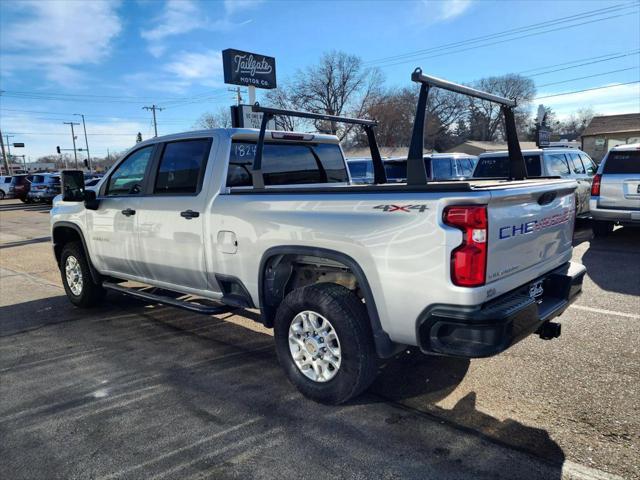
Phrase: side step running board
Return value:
(173, 302)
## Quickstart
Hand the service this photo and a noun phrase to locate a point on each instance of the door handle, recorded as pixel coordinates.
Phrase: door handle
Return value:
(189, 214)
(127, 212)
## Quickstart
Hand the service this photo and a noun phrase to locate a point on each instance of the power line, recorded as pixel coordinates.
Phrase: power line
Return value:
(588, 76)
(422, 57)
(587, 90)
(512, 31)
(617, 55)
(581, 65)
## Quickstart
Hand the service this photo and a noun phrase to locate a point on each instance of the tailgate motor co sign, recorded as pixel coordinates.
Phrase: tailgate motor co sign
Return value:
(250, 69)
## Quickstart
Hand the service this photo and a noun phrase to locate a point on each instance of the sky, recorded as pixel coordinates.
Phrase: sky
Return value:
(109, 59)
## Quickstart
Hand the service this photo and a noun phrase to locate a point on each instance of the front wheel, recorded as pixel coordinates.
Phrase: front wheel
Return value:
(602, 229)
(324, 342)
(78, 283)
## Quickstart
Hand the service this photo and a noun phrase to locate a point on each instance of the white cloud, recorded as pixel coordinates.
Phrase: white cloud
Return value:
(197, 66)
(59, 37)
(177, 18)
(442, 10)
(606, 101)
(183, 71)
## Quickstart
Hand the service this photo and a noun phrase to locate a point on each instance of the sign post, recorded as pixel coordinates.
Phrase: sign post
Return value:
(252, 70)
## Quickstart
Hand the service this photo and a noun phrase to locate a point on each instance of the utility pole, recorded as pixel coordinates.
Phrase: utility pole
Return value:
(4, 156)
(86, 142)
(153, 109)
(9, 146)
(238, 94)
(73, 137)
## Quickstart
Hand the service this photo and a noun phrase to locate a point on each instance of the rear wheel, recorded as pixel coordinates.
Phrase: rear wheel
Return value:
(602, 229)
(78, 283)
(324, 342)
(1, 195)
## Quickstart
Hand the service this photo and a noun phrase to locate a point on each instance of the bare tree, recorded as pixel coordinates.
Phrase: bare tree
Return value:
(219, 119)
(486, 121)
(281, 98)
(573, 126)
(337, 85)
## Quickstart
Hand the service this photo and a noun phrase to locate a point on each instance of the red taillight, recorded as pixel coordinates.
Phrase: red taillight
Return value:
(595, 186)
(469, 260)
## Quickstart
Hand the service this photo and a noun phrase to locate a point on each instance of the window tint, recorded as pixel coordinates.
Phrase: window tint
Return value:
(576, 163)
(37, 179)
(622, 162)
(557, 163)
(442, 168)
(7, 179)
(397, 170)
(361, 169)
(589, 166)
(499, 166)
(180, 166)
(287, 164)
(128, 178)
(464, 167)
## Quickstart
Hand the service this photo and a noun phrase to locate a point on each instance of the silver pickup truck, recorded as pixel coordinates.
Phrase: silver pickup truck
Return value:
(346, 275)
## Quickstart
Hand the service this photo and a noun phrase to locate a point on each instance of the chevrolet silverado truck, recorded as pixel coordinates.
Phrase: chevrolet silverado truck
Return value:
(347, 275)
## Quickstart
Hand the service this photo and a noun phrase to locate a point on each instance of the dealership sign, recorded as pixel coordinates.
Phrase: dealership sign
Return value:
(243, 117)
(250, 69)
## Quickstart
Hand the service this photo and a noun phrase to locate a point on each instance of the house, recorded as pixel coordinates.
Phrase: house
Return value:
(606, 131)
(476, 147)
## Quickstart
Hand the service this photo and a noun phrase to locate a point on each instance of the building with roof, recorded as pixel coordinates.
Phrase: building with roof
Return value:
(606, 131)
(476, 147)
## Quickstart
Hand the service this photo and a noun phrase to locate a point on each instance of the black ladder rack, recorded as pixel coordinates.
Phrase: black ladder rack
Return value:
(379, 174)
(416, 172)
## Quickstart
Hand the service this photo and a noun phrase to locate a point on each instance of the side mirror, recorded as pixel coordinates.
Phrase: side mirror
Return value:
(72, 185)
(91, 201)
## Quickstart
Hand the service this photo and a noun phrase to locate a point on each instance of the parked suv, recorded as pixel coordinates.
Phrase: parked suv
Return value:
(6, 187)
(439, 166)
(21, 186)
(567, 163)
(615, 193)
(44, 187)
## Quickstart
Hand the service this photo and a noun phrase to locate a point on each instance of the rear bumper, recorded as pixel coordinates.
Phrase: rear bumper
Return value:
(488, 329)
(40, 196)
(615, 215)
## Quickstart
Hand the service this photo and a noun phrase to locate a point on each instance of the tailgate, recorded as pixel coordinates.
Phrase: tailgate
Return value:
(529, 225)
(620, 191)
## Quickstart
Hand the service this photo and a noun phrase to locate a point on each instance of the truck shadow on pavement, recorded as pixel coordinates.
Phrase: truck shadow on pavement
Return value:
(27, 207)
(613, 262)
(213, 372)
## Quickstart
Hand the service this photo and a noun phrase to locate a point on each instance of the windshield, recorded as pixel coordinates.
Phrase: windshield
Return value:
(498, 166)
(622, 162)
(287, 163)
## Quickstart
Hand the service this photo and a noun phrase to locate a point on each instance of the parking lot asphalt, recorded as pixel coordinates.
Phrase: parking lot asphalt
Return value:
(131, 390)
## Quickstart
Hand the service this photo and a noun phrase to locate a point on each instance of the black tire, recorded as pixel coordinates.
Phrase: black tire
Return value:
(91, 293)
(24, 200)
(1, 195)
(601, 229)
(348, 316)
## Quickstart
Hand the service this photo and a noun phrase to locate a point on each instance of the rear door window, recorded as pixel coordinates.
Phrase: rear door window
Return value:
(181, 166)
(589, 166)
(557, 164)
(622, 162)
(576, 163)
(287, 164)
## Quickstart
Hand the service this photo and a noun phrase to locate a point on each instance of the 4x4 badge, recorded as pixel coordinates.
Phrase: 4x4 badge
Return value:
(402, 208)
